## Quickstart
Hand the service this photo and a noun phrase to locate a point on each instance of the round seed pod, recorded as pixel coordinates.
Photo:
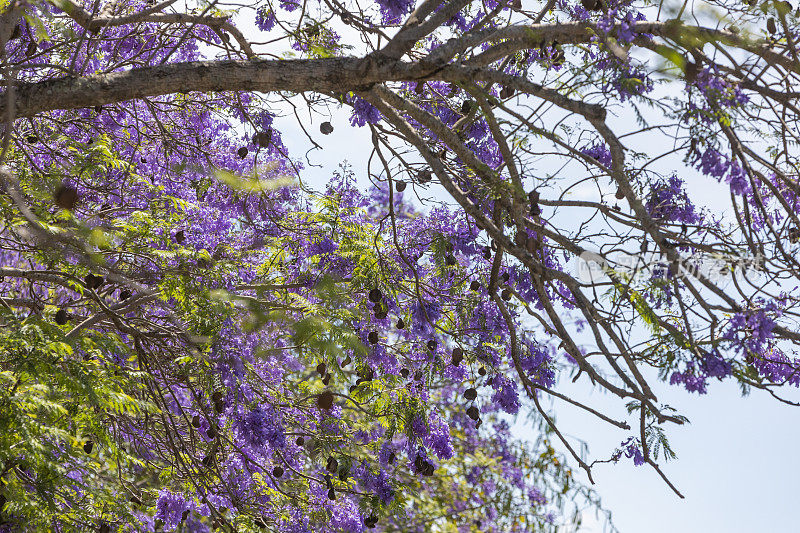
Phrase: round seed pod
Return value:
(326, 379)
(88, 446)
(466, 107)
(262, 138)
(32, 139)
(424, 176)
(326, 128)
(185, 515)
(457, 358)
(418, 375)
(61, 317)
(373, 337)
(346, 361)
(322, 368)
(211, 433)
(505, 277)
(299, 440)
(400, 324)
(470, 394)
(332, 466)
(331, 494)
(66, 197)
(325, 400)
(420, 88)
(180, 236)
(620, 195)
(391, 458)
(450, 260)
(375, 295)
(242, 152)
(404, 372)
(124, 294)
(472, 412)
(506, 294)
(277, 471)
(400, 186)
(487, 253)
(196, 421)
(481, 371)
(431, 344)
(474, 286)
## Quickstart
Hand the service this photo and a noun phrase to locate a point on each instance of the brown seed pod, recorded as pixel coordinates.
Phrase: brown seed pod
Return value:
(620, 195)
(242, 152)
(88, 446)
(331, 494)
(424, 176)
(474, 286)
(124, 294)
(262, 138)
(472, 412)
(487, 253)
(332, 466)
(772, 28)
(400, 324)
(418, 375)
(404, 372)
(211, 433)
(400, 186)
(66, 197)
(196, 421)
(346, 361)
(322, 368)
(458, 356)
(481, 371)
(180, 236)
(326, 128)
(325, 400)
(450, 260)
(375, 295)
(431, 344)
(506, 294)
(506, 92)
(32, 139)
(373, 337)
(277, 471)
(326, 379)
(466, 107)
(61, 317)
(470, 394)
(420, 88)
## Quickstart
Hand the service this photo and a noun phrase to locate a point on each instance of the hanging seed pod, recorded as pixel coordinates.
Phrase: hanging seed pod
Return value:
(472, 412)
(474, 286)
(516, 4)
(418, 375)
(489, 381)
(143, 160)
(61, 317)
(450, 260)
(470, 394)
(179, 237)
(326, 128)
(262, 138)
(32, 139)
(506, 92)
(481, 371)
(88, 446)
(321, 369)
(346, 361)
(400, 186)
(404, 372)
(325, 400)
(400, 324)
(431, 344)
(66, 197)
(466, 106)
(332, 466)
(277, 471)
(375, 295)
(506, 294)
(326, 379)
(373, 337)
(381, 315)
(185, 515)
(299, 440)
(458, 356)
(771, 26)
(242, 152)
(424, 176)
(196, 421)
(478, 423)
(620, 195)
(124, 294)
(216, 396)
(331, 494)
(487, 253)
(420, 88)
(211, 433)
(504, 277)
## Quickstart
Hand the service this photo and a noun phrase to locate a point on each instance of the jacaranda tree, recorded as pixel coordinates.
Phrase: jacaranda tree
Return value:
(192, 337)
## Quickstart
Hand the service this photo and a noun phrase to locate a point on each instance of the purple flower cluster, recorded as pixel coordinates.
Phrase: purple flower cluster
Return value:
(712, 163)
(668, 201)
(600, 153)
(364, 113)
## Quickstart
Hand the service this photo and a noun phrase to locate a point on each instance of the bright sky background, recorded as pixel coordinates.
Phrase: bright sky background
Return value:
(738, 464)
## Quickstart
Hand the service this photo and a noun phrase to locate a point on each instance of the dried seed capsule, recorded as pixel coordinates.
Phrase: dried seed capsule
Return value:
(466, 107)
(326, 379)
(299, 441)
(211, 432)
(472, 412)
(506, 294)
(332, 466)
(373, 337)
(277, 471)
(474, 286)
(124, 294)
(420, 88)
(88, 446)
(66, 197)
(331, 494)
(620, 195)
(322, 368)
(61, 317)
(262, 138)
(470, 394)
(326, 128)
(400, 324)
(424, 176)
(771, 26)
(431, 344)
(325, 400)
(400, 186)
(242, 152)
(375, 295)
